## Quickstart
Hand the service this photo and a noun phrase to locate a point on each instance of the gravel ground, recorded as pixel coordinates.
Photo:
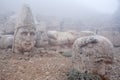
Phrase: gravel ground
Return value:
(47, 65)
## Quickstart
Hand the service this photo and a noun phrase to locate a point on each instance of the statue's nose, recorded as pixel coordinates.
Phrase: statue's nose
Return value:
(28, 38)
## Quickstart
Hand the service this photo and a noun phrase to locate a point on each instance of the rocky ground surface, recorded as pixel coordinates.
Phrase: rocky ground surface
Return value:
(47, 65)
(115, 74)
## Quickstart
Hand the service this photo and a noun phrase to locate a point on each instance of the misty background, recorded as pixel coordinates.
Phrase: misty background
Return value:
(66, 14)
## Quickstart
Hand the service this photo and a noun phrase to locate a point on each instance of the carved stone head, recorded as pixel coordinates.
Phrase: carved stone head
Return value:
(25, 32)
(96, 55)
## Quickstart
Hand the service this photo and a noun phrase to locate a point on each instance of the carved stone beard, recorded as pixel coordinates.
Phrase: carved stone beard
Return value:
(25, 40)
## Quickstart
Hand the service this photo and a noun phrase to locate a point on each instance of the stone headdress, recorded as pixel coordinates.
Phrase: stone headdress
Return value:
(25, 19)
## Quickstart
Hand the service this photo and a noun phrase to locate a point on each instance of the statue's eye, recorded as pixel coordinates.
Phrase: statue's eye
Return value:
(24, 33)
(99, 61)
(32, 33)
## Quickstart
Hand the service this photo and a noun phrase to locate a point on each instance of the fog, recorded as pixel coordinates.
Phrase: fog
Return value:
(70, 14)
(62, 8)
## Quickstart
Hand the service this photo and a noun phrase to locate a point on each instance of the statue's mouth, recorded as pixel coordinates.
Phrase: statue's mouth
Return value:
(27, 44)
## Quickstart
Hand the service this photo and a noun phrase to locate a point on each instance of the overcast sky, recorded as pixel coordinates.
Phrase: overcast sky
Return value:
(62, 7)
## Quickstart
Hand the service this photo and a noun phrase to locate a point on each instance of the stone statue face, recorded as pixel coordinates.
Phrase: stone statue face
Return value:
(25, 39)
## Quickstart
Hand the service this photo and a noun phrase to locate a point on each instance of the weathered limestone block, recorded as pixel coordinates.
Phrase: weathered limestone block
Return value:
(62, 39)
(42, 39)
(6, 41)
(86, 33)
(113, 36)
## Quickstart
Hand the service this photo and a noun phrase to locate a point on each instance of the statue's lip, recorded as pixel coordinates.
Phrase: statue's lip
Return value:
(27, 44)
